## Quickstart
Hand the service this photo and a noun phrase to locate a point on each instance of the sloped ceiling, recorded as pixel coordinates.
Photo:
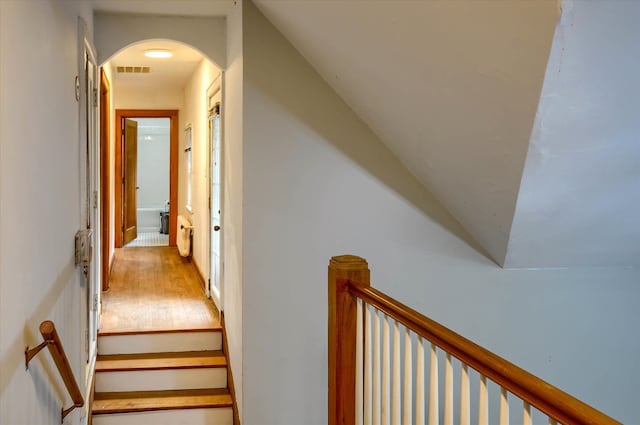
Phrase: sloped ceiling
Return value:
(452, 87)
(455, 88)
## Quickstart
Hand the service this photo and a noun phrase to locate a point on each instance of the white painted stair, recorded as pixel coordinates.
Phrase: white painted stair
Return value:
(177, 377)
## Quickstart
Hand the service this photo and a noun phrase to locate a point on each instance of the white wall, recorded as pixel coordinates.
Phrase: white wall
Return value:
(451, 87)
(153, 162)
(232, 202)
(115, 31)
(39, 205)
(195, 113)
(317, 183)
(147, 98)
(579, 198)
(108, 70)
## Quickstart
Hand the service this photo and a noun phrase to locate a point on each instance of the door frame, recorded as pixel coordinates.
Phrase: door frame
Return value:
(172, 114)
(105, 177)
(217, 85)
(87, 81)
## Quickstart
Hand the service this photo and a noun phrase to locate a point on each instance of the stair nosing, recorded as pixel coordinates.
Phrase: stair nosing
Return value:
(159, 331)
(101, 396)
(217, 354)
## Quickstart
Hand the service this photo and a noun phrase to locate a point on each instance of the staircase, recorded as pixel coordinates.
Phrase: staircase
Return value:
(166, 377)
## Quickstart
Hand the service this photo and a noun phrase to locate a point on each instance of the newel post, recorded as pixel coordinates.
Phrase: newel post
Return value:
(342, 336)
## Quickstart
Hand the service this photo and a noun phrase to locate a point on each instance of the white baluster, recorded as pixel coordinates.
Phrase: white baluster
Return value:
(465, 418)
(395, 379)
(385, 411)
(420, 383)
(504, 407)
(376, 368)
(483, 408)
(434, 413)
(526, 413)
(448, 391)
(408, 379)
(367, 366)
(359, 362)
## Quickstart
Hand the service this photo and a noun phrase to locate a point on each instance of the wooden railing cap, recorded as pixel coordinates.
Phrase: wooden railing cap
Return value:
(47, 327)
(348, 262)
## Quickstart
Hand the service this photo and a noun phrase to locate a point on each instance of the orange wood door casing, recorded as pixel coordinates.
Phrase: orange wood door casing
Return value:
(130, 201)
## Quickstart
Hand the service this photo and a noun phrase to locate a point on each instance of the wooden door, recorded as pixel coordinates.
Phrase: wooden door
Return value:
(130, 178)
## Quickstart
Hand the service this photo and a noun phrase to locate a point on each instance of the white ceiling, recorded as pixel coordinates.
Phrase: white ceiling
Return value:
(451, 87)
(166, 7)
(173, 72)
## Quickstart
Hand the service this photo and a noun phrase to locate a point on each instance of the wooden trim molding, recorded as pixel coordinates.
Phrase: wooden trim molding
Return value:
(230, 385)
(105, 177)
(172, 114)
(91, 397)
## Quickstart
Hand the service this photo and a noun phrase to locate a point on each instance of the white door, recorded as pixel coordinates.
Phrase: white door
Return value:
(216, 193)
(93, 212)
(90, 181)
(214, 102)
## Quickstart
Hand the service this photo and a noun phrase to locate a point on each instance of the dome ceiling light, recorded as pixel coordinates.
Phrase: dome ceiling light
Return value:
(158, 53)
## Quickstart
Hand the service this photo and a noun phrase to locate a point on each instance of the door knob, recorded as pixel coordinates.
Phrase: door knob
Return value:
(216, 228)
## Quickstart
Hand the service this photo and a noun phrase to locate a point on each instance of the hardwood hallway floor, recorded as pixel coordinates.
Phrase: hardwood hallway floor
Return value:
(154, 289)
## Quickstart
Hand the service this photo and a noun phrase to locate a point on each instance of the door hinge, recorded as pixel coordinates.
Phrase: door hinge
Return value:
(86, 340)
(95, 302)
(95, 98)
(95, 199)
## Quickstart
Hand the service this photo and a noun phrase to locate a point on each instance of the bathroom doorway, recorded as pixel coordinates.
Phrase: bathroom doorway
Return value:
(146, 193)
(152, 182)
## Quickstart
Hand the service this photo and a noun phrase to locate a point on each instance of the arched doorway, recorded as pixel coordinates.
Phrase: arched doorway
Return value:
(142, 87)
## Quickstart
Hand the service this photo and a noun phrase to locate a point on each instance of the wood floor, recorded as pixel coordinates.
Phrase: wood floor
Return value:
(154, 289)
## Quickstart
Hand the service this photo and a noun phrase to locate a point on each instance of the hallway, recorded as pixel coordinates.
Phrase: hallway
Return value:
(154, 289)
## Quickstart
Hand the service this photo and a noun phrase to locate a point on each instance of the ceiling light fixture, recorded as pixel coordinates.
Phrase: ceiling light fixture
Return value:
(158, 53)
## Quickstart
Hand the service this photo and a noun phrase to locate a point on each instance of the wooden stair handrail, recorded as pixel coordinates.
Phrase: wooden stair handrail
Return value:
(53, 342)
(550, 400)
(349, 280)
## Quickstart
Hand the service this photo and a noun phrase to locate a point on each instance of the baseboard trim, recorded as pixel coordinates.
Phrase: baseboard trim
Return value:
(90, 398)
(109, 271)
(201, 277)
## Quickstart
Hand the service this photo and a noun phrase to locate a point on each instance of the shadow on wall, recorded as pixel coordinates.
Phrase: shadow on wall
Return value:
(13, 360)
(306, 98)
(43, 372)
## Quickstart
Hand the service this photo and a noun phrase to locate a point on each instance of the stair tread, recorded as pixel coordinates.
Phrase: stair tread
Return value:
(141, 401)
(158, 361)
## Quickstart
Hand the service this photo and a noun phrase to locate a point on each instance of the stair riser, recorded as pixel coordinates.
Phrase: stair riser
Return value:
(166, 379)
(214, 416)
(159, 342)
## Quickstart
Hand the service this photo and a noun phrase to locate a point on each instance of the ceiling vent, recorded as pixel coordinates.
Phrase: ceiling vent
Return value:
(133, 69)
